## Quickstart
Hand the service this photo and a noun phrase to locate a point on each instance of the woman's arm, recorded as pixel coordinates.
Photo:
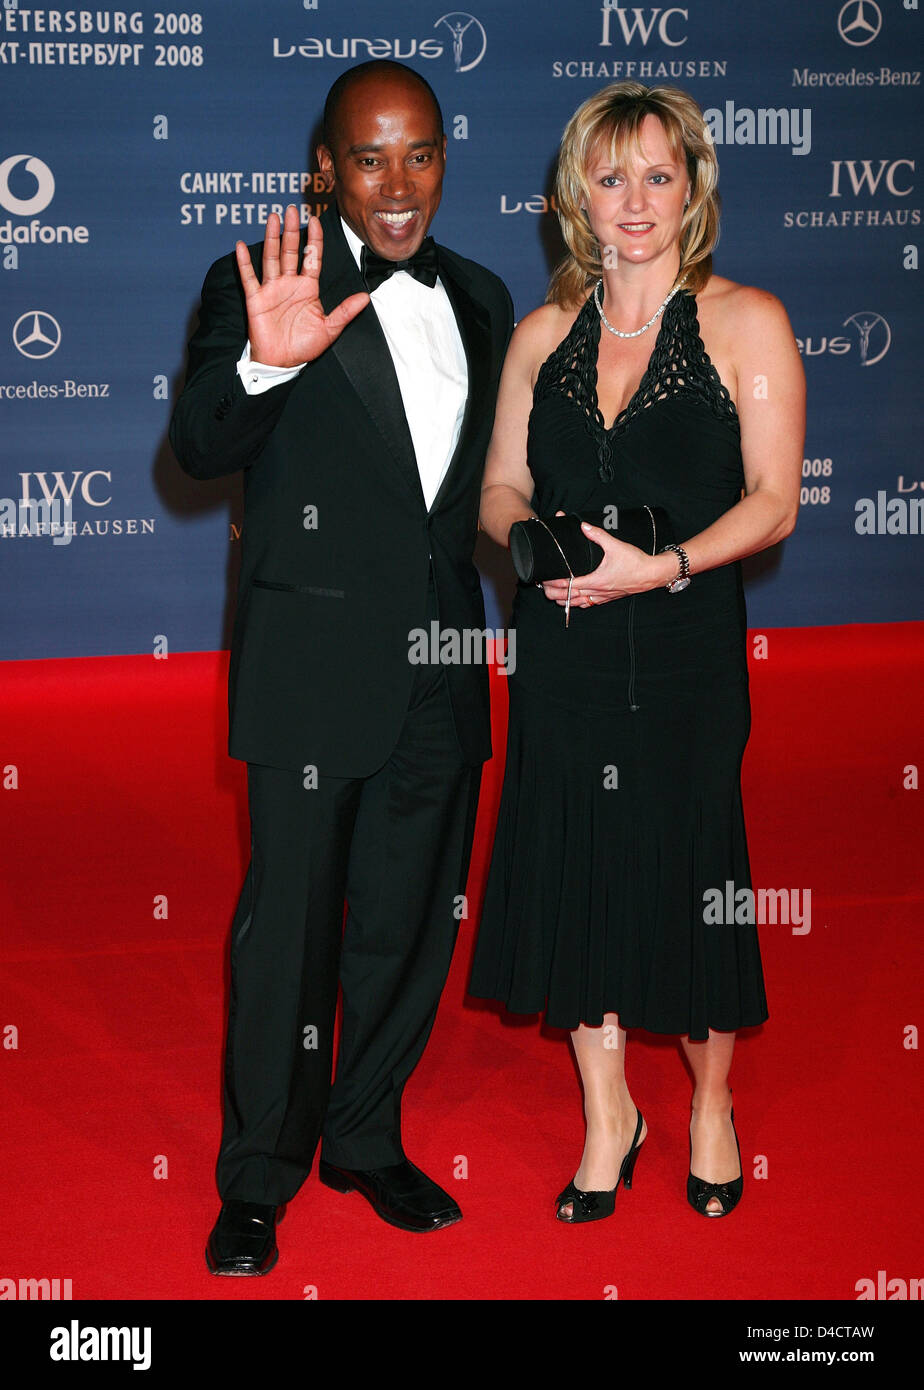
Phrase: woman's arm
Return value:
(508, 486)
(771, 409)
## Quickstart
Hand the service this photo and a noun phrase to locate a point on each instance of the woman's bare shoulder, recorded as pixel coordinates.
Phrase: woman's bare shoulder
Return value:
(538, 334)
(545, 326)
(741, 308)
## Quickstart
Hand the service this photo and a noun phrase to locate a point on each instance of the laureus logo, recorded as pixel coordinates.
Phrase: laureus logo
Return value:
(460, 33)
(875, 336)
(469, 40)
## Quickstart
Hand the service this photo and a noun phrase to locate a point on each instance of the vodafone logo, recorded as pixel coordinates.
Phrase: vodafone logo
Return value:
(44, 185)
(27, 186)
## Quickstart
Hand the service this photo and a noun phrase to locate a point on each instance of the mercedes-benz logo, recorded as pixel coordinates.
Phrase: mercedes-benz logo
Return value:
(36, 334)
(859, 22)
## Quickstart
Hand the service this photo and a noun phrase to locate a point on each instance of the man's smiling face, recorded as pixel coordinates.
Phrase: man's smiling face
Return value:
(385, 163)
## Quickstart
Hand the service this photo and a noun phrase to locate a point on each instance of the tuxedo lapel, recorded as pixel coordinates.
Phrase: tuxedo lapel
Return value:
(475, 331)
(363, 353)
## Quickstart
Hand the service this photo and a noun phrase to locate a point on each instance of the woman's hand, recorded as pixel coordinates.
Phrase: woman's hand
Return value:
(623, 570)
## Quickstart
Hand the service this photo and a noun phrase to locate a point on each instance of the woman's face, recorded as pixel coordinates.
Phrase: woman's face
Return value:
(635, 208)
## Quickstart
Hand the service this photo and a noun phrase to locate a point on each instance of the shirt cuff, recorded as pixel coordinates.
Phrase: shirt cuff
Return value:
(257, 377)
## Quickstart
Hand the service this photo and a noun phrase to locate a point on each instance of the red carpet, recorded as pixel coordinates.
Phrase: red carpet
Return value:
(126, 799)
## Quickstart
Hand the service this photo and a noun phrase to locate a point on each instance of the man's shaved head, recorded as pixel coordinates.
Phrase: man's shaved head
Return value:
(384, 155)
(382, 68)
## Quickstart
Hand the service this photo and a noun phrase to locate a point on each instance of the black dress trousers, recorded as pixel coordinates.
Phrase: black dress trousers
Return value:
(396, 847)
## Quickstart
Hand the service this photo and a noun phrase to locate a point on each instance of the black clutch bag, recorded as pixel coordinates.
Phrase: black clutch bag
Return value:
(555, 547)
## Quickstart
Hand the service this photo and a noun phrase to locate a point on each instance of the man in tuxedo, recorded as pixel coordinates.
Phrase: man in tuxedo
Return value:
(350, 370)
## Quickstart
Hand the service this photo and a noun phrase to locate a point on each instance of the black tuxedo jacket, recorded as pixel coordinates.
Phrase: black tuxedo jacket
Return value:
(319, 671)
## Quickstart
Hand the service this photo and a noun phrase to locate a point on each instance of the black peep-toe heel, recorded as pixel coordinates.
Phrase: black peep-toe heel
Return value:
(594, 1206)
(700, 1193)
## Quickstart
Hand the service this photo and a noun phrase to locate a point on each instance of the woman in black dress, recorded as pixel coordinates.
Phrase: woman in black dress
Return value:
(644, 381)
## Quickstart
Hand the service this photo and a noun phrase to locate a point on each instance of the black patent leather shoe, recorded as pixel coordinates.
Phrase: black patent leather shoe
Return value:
(728, 1194)
(243, 1239)
(400, 1194)
(594, 1206)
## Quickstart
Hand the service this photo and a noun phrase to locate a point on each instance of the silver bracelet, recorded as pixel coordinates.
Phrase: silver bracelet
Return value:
(683, 578)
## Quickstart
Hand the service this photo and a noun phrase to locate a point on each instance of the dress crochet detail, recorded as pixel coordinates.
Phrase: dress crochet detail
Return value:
(679, 366)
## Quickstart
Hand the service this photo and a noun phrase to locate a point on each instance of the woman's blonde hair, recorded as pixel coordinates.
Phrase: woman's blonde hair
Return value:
(611, 120)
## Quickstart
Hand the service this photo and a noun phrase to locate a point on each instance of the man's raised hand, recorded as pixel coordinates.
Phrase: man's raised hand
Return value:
(286, 321)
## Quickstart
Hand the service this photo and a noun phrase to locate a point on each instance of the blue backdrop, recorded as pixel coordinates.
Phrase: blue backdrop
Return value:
(138, 144)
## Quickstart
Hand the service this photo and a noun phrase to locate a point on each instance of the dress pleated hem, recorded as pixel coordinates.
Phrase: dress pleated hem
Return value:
(661, 1028)
(596, 897)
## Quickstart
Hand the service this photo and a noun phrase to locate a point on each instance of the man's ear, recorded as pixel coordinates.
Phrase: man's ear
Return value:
(326, 165)
(445, 139)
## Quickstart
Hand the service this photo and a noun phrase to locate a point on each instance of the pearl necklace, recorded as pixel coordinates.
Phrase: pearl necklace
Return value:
(645, 326)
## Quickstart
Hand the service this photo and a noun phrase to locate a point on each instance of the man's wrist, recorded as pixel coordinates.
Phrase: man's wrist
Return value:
(258, 377)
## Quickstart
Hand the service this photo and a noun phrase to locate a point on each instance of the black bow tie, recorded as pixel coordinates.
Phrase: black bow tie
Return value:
(423, 265)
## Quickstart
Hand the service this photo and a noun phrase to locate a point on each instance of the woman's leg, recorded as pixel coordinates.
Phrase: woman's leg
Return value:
(609, 1110)
(715, 1153)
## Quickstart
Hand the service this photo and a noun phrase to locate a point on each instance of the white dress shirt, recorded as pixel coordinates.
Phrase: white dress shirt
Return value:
(426, 348)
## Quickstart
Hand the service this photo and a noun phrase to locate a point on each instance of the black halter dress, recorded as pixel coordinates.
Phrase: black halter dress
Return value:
(621, 805)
